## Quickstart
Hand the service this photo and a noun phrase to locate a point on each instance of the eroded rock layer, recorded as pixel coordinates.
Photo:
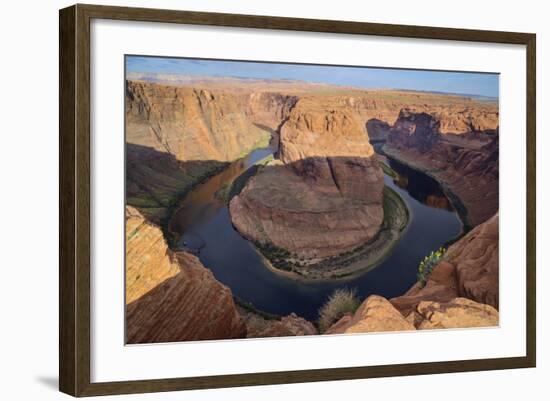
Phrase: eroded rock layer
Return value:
(465, 164)
(190, 123)
(457, 313)
(270, 109)
(469, 270)
(171, 296)
(375, 314)
(291, 325)
(326, 196)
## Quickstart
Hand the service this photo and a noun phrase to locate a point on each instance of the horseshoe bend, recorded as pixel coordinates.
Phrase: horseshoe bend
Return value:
(252, 204)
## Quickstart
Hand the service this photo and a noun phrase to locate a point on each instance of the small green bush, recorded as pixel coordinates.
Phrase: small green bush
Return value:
(340, 302)
(427, 265)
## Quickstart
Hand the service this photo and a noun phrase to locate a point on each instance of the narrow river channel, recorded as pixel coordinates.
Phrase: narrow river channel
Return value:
(203, 223)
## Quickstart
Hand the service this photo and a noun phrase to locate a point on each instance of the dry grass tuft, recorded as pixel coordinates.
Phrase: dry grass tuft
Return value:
(340, 302)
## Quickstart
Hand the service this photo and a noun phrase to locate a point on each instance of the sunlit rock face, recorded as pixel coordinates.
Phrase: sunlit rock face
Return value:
(374, 314)
(171, 296)
(469, 270)
(190, 123)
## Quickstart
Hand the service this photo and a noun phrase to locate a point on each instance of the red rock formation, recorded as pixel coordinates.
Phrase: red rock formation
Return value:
(374, 314)
(270, 109)
(327, 197)
(172, 296)
(291, 325)
(190, 123)
(469, 270)
(476, 260)
(466, 164)
(415, 131)
(458, 313)
(378, 130)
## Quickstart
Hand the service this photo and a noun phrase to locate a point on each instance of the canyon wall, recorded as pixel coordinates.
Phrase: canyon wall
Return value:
(171, 296)
(190, 123)
(176, 136)
(179, 133)
(270, 109)
(321, 198)
(469, 270)
(465, 164)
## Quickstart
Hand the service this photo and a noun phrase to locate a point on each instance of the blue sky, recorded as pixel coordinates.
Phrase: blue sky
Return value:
(364, 77)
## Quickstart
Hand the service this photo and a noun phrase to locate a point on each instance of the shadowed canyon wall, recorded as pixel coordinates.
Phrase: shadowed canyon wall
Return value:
(466, 164)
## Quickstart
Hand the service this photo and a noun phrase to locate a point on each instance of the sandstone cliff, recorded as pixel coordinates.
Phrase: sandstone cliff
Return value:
(326, 196)
(467, 164)
(270, 109)
(469, 270)
(172, 296)
(177, 136)
(190, 123)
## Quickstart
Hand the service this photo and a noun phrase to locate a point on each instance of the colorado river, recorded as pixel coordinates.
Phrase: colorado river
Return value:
(203, 223)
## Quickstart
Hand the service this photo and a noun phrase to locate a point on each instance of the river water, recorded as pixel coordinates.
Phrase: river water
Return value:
(204, 224)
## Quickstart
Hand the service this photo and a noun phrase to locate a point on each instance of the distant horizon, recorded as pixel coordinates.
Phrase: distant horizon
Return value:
(453, 83)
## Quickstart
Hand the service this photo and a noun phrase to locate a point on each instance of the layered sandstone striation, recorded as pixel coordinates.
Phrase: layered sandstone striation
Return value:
(324, 196)
(177, 135)
(466, 165)
(171, 296)
(190, 123)
(469, 270)
(270, 109)
(291, 325)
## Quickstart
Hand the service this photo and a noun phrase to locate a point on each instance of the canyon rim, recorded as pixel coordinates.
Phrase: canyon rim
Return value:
(272, 199)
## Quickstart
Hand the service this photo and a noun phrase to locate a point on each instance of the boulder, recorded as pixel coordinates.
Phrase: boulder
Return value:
(374, 314)
(458, 313)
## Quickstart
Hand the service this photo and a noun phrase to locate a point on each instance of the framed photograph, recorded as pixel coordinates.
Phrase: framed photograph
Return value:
(250, 200)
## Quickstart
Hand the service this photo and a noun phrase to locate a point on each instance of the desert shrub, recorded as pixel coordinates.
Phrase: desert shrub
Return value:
(340, 302)
(427, 265)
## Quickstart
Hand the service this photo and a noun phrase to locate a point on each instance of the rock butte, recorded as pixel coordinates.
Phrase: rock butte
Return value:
(178, 134)
(326, 196)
